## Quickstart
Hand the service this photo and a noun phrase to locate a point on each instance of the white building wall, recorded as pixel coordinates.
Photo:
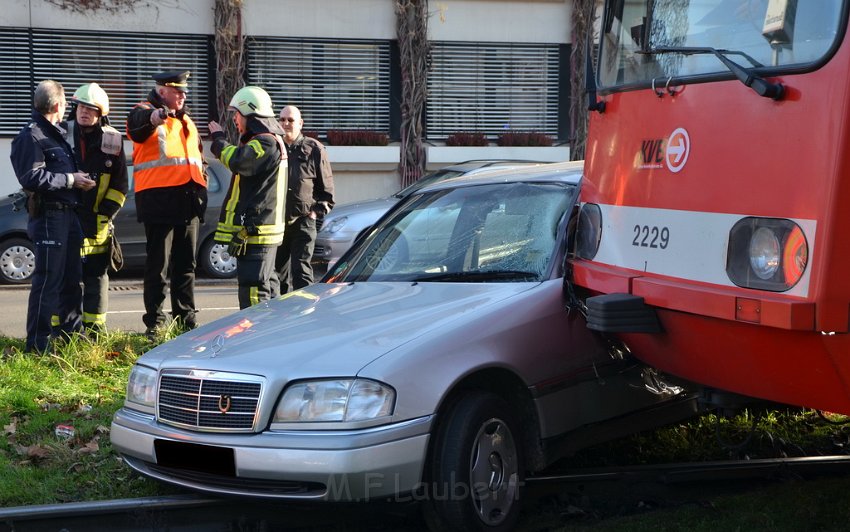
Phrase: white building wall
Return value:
(163, 16)
(533, 21)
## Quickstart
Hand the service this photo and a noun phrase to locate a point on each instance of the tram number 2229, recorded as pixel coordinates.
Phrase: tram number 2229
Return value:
(647, 236)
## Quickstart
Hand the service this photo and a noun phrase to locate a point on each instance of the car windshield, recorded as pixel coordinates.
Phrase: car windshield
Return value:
(768, 36)
(503, 232)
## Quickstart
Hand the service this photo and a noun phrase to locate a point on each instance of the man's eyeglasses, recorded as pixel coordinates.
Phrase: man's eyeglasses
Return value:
(290, 120)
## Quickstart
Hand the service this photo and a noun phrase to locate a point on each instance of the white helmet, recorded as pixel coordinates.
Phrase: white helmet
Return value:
(252, 101)
(91, 95)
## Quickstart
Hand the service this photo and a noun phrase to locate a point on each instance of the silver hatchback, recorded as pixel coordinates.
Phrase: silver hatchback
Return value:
(445, 374)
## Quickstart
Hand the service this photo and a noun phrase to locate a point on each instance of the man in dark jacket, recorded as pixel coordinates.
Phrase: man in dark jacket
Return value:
(99, 150)
(171, 197)
(309, 198)
(252, 220)
(45, 167)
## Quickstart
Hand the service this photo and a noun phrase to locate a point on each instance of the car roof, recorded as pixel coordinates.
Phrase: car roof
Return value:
(565, 172)
(475, 164)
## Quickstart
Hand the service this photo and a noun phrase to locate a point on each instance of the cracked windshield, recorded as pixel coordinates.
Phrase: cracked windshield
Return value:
(752, 33)
(505, 232)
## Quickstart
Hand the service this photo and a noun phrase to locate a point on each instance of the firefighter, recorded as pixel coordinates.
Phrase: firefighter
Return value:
(98, 150)
(252, 220)
(45, 166)
(171, 197)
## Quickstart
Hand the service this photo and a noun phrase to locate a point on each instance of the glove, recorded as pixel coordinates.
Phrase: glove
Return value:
(158, 117)
(238, 244)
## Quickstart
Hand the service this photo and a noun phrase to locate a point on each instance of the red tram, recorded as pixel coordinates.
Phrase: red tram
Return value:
(713, 236)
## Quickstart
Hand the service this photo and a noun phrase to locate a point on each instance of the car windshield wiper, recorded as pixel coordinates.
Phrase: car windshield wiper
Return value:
(479, 276)
(761, 86)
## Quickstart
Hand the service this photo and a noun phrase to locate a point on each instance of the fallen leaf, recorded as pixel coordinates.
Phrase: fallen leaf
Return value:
(12, 427)
(20, 449)
(37, 451)
(89, 448)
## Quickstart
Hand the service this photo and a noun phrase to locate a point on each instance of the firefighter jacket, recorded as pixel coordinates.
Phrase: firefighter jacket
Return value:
(256, 198)
(100, 152)
(42, 160)
(311, 184)
(168, 169)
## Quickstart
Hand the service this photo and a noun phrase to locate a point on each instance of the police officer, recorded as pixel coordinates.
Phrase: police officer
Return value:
(252, 220)
(45, 166)
(99, 150)
(171, 197)
(309, 198)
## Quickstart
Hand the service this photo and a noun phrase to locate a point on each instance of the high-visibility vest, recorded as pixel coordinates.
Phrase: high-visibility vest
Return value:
(170, 157)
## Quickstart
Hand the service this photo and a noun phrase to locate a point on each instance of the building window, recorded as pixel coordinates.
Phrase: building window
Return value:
(492, 88)
(337, 84)
(121, 63)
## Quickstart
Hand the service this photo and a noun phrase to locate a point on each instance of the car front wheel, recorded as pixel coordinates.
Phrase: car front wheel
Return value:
(17, 261)
(216, 261)
(476, 466)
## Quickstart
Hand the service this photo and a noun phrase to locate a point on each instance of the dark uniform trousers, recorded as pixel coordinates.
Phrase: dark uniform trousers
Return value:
(255, 273)
(293, 266)
(178, 242)
(95, 289)
(55, 295)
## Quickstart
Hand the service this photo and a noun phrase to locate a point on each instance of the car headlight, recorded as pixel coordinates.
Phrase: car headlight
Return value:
(766, 254)
(334, 225)
(141, 387)
(335, 400)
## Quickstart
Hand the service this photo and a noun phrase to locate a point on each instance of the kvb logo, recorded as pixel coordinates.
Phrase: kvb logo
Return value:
(672, 151)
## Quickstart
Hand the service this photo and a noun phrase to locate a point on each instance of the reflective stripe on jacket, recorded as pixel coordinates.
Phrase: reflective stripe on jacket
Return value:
(170, 157)
(256, 197)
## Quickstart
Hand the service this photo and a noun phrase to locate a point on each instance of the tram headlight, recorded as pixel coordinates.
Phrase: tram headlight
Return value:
(588, 231)
(766, 254)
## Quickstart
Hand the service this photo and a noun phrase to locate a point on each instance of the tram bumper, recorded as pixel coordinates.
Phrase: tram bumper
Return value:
(621, 313)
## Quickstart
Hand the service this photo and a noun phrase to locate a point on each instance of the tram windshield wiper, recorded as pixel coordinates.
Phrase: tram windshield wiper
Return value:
(745, 75)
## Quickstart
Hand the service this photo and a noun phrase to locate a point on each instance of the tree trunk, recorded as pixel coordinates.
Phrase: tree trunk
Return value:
(415, 59)
(229, 50)
(584, 13)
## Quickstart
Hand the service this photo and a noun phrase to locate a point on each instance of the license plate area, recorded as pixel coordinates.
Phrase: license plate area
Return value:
(195, 457)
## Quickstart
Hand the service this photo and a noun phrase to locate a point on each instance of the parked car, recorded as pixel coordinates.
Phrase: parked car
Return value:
(444, 377)
(347, 222)
(17, 259)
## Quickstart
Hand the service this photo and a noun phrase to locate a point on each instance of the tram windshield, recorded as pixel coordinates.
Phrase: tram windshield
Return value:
(646, 40)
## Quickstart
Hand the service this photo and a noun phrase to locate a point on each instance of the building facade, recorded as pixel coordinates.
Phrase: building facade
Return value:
(496, 66)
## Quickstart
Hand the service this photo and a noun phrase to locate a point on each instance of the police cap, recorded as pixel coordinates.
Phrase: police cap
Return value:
(174, 78)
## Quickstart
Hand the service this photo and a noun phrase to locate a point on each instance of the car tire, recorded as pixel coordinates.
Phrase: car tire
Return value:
(215, 261)
(476, 467)
(17, 261)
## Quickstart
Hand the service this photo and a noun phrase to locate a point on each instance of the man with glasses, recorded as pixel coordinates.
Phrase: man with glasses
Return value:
(309, 198)
(171, 197)
(45, 166)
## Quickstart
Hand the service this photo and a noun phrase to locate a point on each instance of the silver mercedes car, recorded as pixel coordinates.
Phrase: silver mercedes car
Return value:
(445, 375)
(347, 222)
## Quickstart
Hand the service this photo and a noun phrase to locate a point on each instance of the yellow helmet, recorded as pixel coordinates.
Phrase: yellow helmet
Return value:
(91, 95)
(252, 101)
